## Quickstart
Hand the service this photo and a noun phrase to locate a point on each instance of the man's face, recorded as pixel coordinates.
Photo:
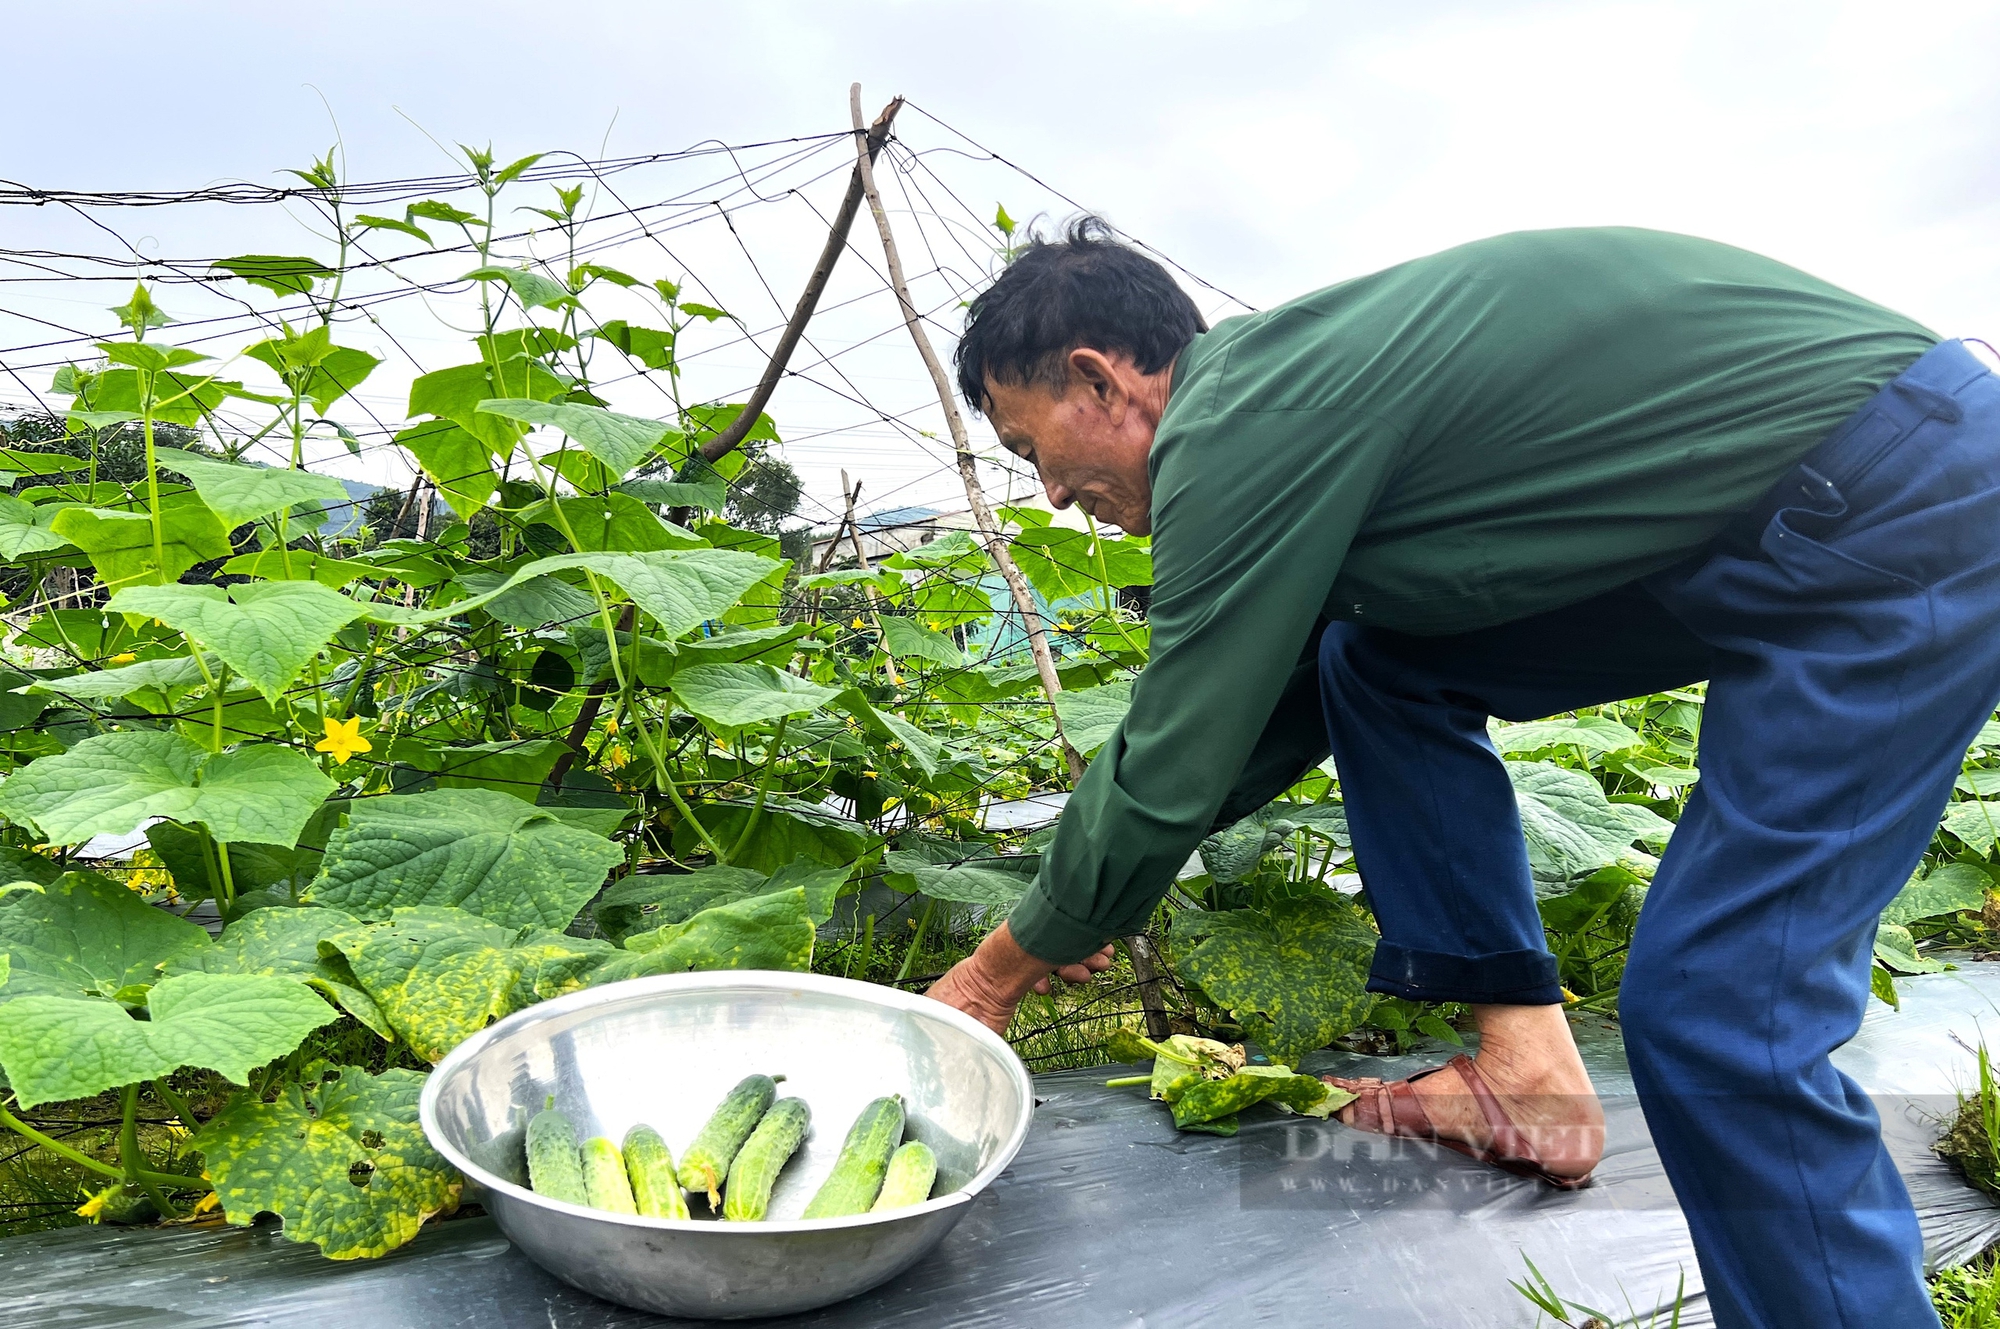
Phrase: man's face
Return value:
(1089, 442)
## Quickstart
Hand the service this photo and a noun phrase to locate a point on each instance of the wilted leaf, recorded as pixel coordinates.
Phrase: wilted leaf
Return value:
(342, 1159)
(1293, 974)
(476, 849)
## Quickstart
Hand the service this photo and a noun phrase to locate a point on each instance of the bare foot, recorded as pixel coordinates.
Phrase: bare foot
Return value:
(1527, 1057)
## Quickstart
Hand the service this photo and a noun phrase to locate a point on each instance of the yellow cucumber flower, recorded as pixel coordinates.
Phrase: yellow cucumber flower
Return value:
(124, 658)
(343, 739)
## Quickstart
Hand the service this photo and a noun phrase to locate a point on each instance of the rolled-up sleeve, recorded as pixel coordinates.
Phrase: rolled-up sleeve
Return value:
(1253, 512)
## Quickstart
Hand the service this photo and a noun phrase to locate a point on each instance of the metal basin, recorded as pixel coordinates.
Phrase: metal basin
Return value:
(664, 1051)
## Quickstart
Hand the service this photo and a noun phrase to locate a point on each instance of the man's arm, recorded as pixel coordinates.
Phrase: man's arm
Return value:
(1253, 514)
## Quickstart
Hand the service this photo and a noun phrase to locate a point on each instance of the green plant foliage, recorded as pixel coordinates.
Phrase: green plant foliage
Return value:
(239, 493)
(769, 931)
(730, 696)
(1572, 828)
(440, 975)
(84, 934)
(476, 849)
(905, 638)
(265, 631)
(1291, 973)
(1091, 717)
(653, 900)
(73, 1047)
(287, 943)
(339, 1156)
(107, 785)
(621, 442)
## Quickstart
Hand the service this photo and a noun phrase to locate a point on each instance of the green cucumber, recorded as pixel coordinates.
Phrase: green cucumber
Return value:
(604, 1184)
(747, 1195)
(649, 1165)
(707, 1160)
(554, 1167)
(912, 1173)
(856, 1178)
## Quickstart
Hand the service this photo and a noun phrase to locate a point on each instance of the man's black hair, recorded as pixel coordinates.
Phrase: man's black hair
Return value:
(1085, 289)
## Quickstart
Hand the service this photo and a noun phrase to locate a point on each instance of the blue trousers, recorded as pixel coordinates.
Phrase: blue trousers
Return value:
(1849, 629)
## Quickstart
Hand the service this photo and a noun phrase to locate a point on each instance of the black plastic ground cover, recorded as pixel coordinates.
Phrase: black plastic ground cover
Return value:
(1112, 1218)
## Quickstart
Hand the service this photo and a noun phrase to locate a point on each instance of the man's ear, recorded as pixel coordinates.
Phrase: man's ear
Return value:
(1099, 376)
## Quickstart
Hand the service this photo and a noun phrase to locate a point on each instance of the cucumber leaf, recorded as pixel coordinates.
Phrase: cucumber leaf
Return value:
(238, 493)
(1593, 733)
(507, 861)
(731, 696)
(621, 442)
(341, 1158)
(85, 934)
(265, 631)
(109, 784)
(1090, 716)
(441, 975)
(285, 943)
(58, 1048)
(772, 931)
(1292, 973)
(1948, 889)
(906, 638)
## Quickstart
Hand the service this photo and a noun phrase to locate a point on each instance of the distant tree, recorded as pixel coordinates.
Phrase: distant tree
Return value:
(121, 449)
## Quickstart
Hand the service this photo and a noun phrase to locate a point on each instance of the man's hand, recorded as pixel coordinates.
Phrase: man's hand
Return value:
(989, 983)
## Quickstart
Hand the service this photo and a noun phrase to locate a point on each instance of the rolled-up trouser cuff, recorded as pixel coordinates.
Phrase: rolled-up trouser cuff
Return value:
(1504, 978)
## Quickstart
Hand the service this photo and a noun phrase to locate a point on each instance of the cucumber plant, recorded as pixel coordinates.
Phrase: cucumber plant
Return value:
(565, 723)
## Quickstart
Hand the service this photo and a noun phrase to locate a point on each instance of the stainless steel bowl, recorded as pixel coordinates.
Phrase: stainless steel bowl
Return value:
(664, 1051)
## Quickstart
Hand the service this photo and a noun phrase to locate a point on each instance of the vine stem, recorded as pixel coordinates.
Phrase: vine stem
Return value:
(128, 1154)
(763, 787)
(57, 1147)
(968, 463)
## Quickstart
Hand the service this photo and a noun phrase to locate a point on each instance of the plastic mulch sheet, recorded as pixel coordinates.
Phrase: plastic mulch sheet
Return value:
(1111, 1217)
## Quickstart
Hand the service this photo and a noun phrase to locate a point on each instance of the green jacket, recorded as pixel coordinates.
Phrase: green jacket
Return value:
(1470, 438)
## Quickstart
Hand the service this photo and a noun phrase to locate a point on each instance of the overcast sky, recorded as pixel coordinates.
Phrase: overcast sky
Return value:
(1269, 147)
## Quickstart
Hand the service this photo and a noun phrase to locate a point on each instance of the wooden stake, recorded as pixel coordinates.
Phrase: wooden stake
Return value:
(968, 464)
(1145, 969)
(836, 240)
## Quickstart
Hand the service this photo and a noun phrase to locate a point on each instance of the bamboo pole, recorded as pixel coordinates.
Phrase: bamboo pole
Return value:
(968, 464)
(1139, 947)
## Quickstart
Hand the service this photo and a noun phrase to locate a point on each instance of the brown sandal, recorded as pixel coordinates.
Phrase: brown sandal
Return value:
(1393, 1108)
